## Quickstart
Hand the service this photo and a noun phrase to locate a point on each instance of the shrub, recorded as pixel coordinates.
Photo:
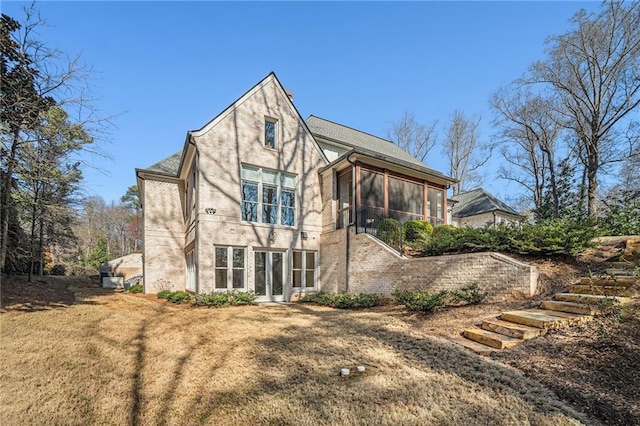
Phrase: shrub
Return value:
(422, 300)
(164, 294)
(344, 300)
(224, 299)
(136, 288)
(389, 231)
(179, 297)
(58, 270)
(417, 230)
(470, 295)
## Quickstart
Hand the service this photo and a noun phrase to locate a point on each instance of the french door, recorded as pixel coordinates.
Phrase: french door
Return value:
(269, 269)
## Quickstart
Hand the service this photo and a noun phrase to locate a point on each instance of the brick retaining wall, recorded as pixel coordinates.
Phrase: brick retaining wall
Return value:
(375, 268)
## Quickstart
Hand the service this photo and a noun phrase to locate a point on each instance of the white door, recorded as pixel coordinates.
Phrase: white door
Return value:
(269, 275)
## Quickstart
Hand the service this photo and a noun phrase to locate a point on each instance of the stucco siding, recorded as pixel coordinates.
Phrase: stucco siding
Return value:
(164, 263)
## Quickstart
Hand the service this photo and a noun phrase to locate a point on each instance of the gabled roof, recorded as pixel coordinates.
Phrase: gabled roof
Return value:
(478, 201)
(366, 143)
(168, 166)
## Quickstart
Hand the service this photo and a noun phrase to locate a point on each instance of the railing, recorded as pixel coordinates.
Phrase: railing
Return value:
(389, 231)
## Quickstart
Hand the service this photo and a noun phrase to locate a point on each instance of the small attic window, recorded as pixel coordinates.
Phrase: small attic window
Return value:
(270, 133)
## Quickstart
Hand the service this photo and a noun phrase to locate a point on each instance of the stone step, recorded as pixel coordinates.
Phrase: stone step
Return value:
(610, 281)
(602, 290)
(617, 272)
(489, 338)
(541, 318)
(512, 329)
(632, 251)
(572, 307)
(623, 265)
(591, 298)
(476, 347)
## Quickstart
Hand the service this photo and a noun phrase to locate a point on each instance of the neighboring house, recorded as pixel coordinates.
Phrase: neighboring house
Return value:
(478, 208)
(261, 200)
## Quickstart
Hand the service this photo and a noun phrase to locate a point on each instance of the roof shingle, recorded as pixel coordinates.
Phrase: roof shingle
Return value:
(478, 201)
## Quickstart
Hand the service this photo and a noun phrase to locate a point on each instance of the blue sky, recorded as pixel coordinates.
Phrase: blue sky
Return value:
(163, 68)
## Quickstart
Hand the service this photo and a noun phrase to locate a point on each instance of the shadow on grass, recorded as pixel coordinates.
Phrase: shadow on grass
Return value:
(298, 379)
(48, 292)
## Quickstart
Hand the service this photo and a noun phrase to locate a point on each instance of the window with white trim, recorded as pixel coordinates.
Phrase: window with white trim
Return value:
(271, 133)
(268, 196)
(229, 268)
(304, 269)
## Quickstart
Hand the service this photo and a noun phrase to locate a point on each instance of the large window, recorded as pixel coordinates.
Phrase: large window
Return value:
(304, 269)
(270, 133)
(229, 268)
(345, 199)
(268, 196)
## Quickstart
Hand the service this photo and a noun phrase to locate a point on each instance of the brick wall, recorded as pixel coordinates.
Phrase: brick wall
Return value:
(375, 268)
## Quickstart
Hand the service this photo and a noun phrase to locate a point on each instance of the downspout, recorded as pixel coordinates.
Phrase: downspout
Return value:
(144, 240)
(196, 183)
(353, 221)
(494, 219)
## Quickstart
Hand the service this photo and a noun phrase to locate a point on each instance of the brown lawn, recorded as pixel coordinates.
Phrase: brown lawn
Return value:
(114, 358)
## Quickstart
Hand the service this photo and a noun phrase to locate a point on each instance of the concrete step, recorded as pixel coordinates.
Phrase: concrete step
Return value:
(489, 338)
(512, 329)
(603, 290)
(610, 281)
(591, 298)
(476, 347)
(572, 307)
(541, 318)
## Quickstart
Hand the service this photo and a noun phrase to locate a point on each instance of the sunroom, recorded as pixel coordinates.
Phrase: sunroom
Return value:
(370, 187)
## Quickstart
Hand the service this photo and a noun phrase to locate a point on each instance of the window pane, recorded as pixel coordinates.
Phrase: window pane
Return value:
(260, 274)
(288, 180)
(250, 212)
(277, 273)
(310, 279)
(287, 217)
(249, 172)
(238, 278)
(297, 278)
(311, 260)
(221, 278)
(270, 177)
(221, 257)
(270, 134)
(297, 260)
(249, 191)
(288, 198)
(238, 258)
(269, 194)
(269, 213)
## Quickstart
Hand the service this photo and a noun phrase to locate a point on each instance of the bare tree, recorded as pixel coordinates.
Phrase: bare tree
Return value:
(593, 72)
(412, 136)
(528, 133)
(465, 152)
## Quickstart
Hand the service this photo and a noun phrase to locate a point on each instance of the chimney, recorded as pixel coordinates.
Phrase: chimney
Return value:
(289, 94)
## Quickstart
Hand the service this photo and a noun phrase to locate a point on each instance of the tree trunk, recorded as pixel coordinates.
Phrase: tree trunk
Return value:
(6, 198)
(32, 250)
(41, 246)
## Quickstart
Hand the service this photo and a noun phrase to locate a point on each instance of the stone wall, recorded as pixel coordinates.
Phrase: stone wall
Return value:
(375, 268)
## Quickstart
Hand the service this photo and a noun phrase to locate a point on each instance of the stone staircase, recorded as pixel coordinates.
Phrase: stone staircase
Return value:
(583, 301)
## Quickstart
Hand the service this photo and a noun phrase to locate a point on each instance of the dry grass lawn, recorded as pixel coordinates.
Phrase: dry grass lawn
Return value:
(122, 359)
